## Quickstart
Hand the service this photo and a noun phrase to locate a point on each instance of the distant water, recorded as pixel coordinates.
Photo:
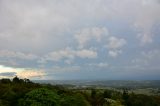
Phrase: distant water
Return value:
(105, 83)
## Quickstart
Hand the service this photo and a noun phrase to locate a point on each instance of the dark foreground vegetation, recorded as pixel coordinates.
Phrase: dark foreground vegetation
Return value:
(23, 92)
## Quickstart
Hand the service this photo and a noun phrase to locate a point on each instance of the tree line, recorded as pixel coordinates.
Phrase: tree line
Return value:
(23, 92)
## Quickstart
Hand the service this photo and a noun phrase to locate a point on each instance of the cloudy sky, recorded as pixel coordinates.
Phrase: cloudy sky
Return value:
(80, 39)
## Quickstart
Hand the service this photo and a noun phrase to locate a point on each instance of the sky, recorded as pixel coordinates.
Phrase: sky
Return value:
(80, 39)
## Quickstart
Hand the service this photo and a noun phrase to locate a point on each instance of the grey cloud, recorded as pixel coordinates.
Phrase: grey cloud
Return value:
(141, 14)
(38, 30)
(18, 55)
(158, 1)
(31, 26)
(8, 74)
(99, 65)
(36, 25)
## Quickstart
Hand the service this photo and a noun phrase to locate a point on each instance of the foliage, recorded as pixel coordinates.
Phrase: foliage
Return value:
(107, 94)
(141, 100)
(23, 92)
(40, 97)
(5, 81)
(73, 100)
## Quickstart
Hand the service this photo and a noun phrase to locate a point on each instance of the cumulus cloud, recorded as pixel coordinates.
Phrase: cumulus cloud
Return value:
(103, 65)
(100, 65)
(146, 18)
(18, 55)
(152, 54)
(142, 14)
(149, 59)
(115, 43)
(115, 46)
(69, 54)
(86, 53)
(114, 53)
(88, 34)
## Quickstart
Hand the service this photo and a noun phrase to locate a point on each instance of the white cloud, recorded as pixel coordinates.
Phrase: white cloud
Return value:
(59, 55)
(87, 34)
(100, 65)
(69, 54)
(143, 15)
(145, 38)
(152, 54)
(115, 43)
(114, 53)
(145, 19)
(103, 65)
(148, 59)
(69, 61)
(86, 54)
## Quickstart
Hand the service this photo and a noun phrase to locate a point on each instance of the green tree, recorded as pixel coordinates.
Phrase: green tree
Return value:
(125, 97)
(107, 94)
(73, 100)
(5, 81)
(96, 98)
(16, 80)
(27, 80)
(40, 97)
